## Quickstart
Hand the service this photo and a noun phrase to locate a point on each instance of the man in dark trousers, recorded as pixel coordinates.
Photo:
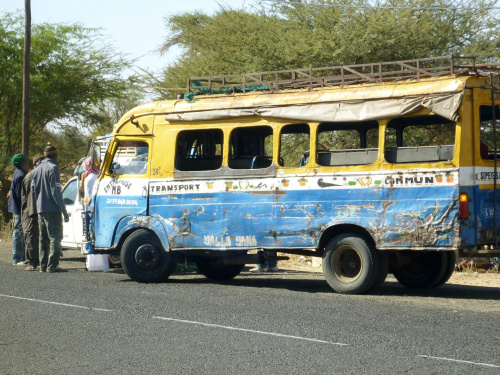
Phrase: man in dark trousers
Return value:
(46, 186)
(19, 162)
(29, 217)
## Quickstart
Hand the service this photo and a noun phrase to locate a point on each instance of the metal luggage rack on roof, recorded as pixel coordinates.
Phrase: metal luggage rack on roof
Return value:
(333, 76)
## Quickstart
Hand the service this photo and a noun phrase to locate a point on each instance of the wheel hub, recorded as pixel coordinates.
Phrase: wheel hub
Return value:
(147, 257)
(346, 264)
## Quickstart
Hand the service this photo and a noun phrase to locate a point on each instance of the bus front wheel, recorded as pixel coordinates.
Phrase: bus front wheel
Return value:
(144, 259)
(351, 264)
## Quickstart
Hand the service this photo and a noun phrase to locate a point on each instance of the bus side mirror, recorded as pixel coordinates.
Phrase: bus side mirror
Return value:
(114, 167)
(96, 155)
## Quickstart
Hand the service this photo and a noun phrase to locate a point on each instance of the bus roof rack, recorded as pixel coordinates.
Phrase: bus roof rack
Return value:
(335, 75)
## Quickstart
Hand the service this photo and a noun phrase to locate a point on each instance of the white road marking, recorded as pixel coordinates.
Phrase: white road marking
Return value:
(242, 329)
(55, 303)
(459, 360)
(248, 330)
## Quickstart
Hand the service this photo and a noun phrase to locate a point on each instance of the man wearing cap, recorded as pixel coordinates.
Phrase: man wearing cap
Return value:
(46, 185)
(19, 162)
(29, 217)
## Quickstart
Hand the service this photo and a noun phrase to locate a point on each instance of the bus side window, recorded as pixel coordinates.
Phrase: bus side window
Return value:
(425, 138)
(353, 143)
(251, 147)
(131, 157)
(487, 138)
(199, 150)
(294, 145)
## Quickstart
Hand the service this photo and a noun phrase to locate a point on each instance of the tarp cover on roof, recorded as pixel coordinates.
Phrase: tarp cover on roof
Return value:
(442, 98)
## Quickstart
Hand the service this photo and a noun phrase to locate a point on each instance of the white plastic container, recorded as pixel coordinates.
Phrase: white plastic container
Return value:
(97, 262)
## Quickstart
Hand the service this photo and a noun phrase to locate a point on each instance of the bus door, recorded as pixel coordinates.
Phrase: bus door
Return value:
(122, 189)
(73, 229)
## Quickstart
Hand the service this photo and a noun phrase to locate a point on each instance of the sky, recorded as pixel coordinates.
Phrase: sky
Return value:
(134, 27)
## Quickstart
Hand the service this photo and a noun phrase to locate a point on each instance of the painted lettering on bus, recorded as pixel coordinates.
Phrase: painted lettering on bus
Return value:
(249, 241)
(486, 176)
(220, 241)
(115, 186)
(410, 180)
(163, 188)
(121, 202)
(490, 212)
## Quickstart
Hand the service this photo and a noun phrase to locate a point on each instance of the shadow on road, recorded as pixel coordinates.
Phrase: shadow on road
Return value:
(299, 281)
(464, 292)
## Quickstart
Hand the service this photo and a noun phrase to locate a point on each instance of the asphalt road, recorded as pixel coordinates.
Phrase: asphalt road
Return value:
(80, 322)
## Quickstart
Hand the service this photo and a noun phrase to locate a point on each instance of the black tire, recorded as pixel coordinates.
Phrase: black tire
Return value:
(214, 269)
(383, 270)
(424, 269)
(350, 264)
(451, 259)
(144, 259)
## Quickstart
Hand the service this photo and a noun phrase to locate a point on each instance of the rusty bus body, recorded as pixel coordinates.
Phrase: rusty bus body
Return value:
(373, 176)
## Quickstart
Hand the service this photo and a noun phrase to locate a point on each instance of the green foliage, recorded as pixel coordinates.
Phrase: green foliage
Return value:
(283, 36)
(74, 76)
(293, 146)
(429, 135)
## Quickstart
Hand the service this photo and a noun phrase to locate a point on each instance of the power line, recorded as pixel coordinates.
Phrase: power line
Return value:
(377, 7)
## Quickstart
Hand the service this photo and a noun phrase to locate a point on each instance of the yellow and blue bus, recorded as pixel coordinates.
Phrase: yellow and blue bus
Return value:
(376, 168)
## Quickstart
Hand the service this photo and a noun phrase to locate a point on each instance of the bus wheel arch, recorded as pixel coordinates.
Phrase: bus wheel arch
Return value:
(144, 259)
(335, 230)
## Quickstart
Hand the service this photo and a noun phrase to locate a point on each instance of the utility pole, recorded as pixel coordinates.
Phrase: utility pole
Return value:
(26, 78)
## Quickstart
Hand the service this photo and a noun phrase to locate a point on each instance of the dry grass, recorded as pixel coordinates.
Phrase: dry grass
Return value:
(300, 262)
(5, 231)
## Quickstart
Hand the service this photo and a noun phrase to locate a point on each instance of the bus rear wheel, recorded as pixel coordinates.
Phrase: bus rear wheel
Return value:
(451, 260)
(421, 269)
(144, 259)
(214, 269)
(351, 264)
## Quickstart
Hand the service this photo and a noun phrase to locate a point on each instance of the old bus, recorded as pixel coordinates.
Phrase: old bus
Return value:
(376, 168)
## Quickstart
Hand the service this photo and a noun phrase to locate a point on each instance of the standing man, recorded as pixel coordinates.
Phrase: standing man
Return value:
(19, 162)
(46, 186)
(29, 217)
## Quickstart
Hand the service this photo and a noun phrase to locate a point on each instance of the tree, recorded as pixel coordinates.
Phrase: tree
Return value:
(291, 35)
(73, 73)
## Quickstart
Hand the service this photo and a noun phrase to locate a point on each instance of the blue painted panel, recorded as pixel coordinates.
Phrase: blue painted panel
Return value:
(216, 220)
(478, 229)
(410, 217)
(116, 199)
